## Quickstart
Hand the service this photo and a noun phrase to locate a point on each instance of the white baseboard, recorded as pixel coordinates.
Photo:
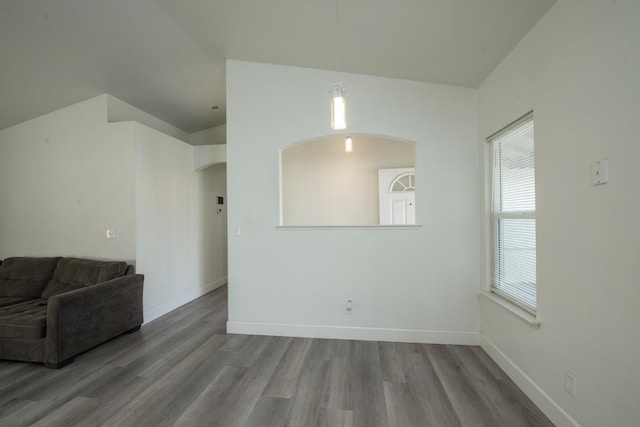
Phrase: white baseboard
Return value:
(354, 333)
(217, 283)
(182, 300)
(548, 406)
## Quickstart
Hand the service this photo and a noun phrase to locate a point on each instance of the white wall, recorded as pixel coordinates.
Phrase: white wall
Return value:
(214, 224)
(578, 70)
(212, 136)
(323, 185)
(120, 111)
(68, 176)
(417, 284)
(65, 178)
(208, 155)
(180, 237)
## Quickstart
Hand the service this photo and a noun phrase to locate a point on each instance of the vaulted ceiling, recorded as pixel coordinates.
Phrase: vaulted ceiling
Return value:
(167, 57)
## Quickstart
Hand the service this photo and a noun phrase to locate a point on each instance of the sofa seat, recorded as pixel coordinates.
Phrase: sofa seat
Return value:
(53, 308)
(11, 300)
(24, 320)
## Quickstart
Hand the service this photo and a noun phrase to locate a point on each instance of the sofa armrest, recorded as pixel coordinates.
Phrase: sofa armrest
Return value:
(81, 319)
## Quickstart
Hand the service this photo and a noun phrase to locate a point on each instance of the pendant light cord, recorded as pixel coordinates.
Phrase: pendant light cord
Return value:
(337, 40)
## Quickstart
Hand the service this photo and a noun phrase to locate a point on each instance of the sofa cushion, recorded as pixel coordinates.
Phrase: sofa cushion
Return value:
(26, 277)
(12, 300)
(24, 320)
(76, 273)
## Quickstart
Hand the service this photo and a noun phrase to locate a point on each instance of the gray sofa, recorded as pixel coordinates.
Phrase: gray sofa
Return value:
(52, 309)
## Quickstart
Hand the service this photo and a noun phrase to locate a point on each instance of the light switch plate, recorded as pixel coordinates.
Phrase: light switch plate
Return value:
(600, 172)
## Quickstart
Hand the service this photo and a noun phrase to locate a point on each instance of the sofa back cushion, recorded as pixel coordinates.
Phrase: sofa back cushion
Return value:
(76, 273)
(26, 277)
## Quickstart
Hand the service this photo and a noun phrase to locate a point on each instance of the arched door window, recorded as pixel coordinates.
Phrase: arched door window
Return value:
(404, 182)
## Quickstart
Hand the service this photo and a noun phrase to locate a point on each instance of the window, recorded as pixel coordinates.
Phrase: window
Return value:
(513, 214)
(405, 182)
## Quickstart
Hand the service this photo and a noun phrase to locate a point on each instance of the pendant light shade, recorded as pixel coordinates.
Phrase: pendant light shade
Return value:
(338, 107)
(348, 145)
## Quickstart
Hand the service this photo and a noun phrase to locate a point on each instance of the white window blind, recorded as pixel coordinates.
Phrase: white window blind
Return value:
(513, 214)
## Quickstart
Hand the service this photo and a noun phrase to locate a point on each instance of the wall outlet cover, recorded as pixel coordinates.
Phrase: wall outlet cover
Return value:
(600, 172)
(570, 383)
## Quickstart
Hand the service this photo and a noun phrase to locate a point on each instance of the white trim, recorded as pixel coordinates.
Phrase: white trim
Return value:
(355, 333)
(350, 227)
(517, 122)
(182, 300)
(515, 215)
(542, 400)
(512, 308)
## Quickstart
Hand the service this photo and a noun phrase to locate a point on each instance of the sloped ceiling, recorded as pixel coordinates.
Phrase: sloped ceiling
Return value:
(167, 57)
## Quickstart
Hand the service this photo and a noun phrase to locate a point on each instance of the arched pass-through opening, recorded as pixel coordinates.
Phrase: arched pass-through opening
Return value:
(208, 155)
(322, 184)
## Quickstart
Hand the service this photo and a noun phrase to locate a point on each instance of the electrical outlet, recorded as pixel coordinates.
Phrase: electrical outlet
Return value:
(600, 172)
(570, 383)
(111, 234)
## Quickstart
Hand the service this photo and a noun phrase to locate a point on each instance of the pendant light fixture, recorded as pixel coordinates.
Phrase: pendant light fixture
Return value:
(338, 103)
(348, 145)
(338, 107)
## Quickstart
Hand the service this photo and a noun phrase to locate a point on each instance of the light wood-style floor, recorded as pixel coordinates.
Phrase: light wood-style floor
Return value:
(183, 369)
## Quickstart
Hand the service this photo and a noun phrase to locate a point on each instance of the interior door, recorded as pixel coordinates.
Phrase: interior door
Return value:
(397, 196)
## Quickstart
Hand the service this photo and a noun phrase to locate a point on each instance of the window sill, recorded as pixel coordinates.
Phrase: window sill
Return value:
(349, 227)
(513, 309)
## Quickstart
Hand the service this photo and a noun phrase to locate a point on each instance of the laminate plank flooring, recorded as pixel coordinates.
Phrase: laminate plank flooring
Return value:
(184, 370)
